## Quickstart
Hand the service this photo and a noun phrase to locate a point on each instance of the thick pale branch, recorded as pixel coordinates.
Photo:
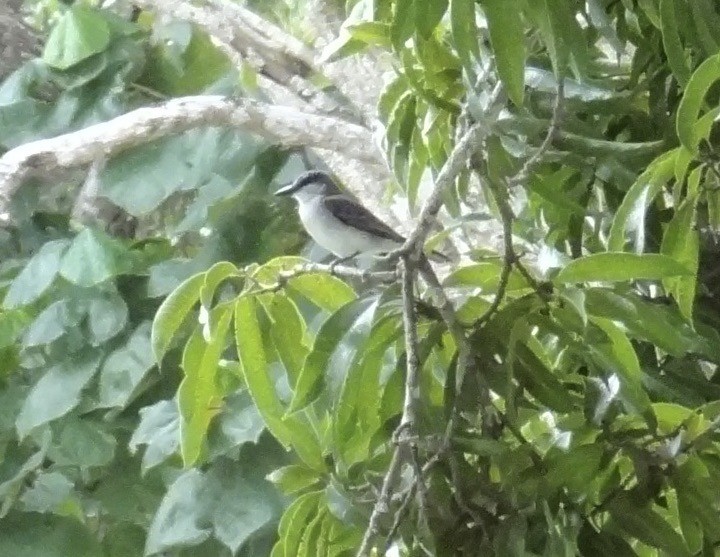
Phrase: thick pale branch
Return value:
(282, 125)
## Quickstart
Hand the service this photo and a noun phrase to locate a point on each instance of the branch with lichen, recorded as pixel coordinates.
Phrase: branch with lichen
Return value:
(283, 125)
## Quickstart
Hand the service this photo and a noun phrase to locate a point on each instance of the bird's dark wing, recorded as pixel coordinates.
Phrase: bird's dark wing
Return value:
(354, 214)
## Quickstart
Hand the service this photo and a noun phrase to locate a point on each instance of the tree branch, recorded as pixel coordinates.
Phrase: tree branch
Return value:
(283, 125)
(455, 163)
(406, 429)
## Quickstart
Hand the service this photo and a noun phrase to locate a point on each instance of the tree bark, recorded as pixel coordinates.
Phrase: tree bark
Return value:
(18, 41)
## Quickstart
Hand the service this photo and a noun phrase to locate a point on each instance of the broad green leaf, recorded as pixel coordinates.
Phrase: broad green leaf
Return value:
(56, 393)
(331, 332)
(123, 371)
(229, 501)
(159, 431)
(37, 275)
(618, 266)
(92, 258)
(28, 535)
(290, 431)
(51, 324)
(671, 40)
(287, 330)
(172, 312)
(48, 491)
(692, 101)
(83, 443)
(630, 216)
(107, 316)
(485, 276)
(624, 362)
(198, 396)
(681, 241)
(465, 33)
(324, 290)
(214, 276)
(637, 519)
(508, 42)
(79, 33)
(293, 478)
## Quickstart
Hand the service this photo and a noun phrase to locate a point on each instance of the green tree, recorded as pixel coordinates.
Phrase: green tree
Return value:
(179, 379)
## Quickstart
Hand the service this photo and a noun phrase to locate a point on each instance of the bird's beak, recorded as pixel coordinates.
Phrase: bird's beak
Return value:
(285, 190)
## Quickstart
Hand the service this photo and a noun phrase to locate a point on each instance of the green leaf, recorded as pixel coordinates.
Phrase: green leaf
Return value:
(671, 41)
(295, 520)
(229, 502)
(357, 411)
(287, 330)
(428, 14)
(47, 492)
(293, 478)
(622, 360)
(290, 431)
(56, 393)
(508, 42)
(692, 101)
(159, 430)
(465, 33)
(107, 316)
(645, 320)
(27, 535)
(92, 258)
(324, 290)
(571, 35)
(51, 324)
(638, 520)
(403, 22)
(331, 332)
(485, 276)
(82, 443)
(172, 312)
(79, 33)
(198, 395)
(123, 371)
(630, 216)
(614, 267)
(37, 275)
(681, 241)
(575, 468)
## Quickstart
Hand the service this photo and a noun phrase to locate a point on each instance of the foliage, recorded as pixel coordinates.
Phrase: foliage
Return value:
(187, 393)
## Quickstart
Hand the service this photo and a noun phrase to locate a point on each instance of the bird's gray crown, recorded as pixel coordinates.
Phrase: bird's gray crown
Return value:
(317, 177)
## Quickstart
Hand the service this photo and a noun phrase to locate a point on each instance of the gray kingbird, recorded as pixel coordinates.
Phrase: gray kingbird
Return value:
(337, 221)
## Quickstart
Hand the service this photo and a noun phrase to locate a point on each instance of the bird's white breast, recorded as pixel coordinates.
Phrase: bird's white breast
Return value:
(334, 235)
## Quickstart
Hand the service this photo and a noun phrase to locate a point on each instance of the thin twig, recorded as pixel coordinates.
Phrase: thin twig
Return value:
(340, 271)
(409, 415)
(555, 122)
(456, 162)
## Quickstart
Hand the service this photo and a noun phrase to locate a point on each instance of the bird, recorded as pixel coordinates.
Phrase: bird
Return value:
(337, 221)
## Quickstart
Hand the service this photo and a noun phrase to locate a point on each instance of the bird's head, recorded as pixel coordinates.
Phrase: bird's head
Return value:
(310, 184)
